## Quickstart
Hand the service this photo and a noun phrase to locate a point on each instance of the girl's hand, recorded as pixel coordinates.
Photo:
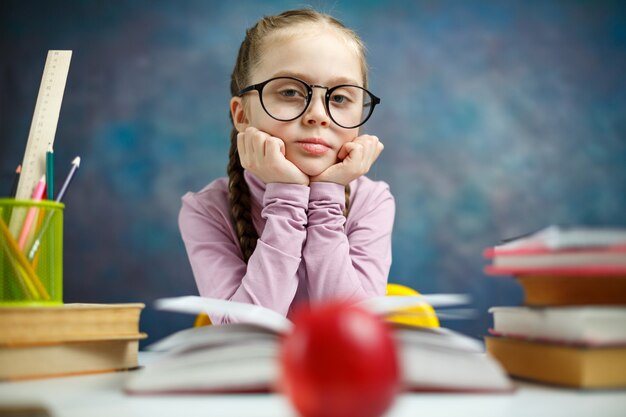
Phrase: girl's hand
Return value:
(264, 156)
(356, 158)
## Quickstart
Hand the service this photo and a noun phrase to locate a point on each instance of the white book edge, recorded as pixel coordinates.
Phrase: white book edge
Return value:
(558, 237)
(592, 325)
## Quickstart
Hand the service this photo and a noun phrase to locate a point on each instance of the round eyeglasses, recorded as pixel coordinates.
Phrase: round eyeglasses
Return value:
(287, 98)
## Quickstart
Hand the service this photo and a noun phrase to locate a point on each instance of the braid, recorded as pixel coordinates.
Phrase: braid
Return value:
(240, 201)
(347, 207)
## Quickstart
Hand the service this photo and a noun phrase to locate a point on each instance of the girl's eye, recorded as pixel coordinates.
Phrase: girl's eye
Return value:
(344, 95)
(284, 89)
(290, 93)
(340, 99)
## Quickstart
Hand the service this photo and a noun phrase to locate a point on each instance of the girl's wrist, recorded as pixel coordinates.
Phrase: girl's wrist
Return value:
(302, 182)
(326, 182)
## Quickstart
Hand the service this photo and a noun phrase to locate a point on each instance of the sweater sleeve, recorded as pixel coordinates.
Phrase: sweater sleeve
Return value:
(354, 263)
(270, 277)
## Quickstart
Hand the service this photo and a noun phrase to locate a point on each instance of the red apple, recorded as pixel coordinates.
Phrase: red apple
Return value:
(339, 361)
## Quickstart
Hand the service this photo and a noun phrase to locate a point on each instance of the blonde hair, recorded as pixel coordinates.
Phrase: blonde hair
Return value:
(250, 55)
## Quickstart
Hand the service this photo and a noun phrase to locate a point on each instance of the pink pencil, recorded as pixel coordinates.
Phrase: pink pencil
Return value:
(38, 193)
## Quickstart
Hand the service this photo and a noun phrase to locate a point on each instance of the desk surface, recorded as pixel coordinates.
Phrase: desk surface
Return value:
(101, 395)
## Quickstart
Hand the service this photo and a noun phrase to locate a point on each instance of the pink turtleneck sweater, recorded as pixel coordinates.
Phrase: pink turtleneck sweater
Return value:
(307, 250)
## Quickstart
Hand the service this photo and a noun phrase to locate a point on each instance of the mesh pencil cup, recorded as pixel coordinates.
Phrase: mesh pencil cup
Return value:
(31, 252)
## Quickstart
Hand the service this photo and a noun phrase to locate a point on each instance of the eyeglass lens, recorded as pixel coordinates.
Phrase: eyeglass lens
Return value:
(286, 99)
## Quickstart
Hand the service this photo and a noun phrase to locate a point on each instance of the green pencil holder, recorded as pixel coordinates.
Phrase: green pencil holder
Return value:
(31, 252)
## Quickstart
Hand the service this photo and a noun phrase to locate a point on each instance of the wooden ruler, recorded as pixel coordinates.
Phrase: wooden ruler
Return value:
(42, 129)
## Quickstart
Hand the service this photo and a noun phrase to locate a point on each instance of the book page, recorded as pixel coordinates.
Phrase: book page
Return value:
(243, 312)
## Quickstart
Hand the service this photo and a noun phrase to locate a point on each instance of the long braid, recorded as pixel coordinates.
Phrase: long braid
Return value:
(240, 201)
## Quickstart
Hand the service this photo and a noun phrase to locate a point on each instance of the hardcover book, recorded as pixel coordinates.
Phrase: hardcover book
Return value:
(584, 326)
(562, 251)
(573, 290)
(68, 358)
(68, 322)
(561, 364)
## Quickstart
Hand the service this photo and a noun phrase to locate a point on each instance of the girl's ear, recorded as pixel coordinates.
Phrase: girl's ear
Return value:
(238, 113)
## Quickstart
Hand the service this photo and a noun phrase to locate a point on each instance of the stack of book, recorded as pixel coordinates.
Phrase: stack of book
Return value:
(571, 330)
(70, 339)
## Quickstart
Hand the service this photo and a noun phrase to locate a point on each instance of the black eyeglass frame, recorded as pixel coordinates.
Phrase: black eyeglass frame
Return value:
(309, 88)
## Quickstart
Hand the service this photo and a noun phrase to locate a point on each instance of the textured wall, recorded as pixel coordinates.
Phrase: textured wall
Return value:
(498, 118)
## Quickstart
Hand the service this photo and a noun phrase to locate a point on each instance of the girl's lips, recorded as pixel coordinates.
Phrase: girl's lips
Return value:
(314, 146)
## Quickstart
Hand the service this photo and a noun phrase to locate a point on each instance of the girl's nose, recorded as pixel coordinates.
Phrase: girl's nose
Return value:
(316, 112)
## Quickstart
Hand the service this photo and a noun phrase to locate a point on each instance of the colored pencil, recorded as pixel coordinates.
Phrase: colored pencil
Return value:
(32, 212)
(33, 249)
(68, 179)
(35, 287)
(50, 172)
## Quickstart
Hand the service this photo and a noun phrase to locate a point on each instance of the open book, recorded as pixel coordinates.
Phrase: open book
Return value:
(243, 356)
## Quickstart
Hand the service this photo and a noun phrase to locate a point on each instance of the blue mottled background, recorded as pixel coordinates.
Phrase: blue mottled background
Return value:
(498, 118)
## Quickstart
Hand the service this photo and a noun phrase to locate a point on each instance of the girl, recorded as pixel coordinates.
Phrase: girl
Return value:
(296, 220)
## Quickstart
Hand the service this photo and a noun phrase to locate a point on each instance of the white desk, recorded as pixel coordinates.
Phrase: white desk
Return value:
(101, 395)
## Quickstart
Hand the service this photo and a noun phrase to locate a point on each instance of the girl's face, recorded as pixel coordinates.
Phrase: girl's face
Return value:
(320, 57)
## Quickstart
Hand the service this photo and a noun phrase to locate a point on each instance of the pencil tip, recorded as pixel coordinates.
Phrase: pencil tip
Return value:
(50, 148)
(18, 170)
(76, 161)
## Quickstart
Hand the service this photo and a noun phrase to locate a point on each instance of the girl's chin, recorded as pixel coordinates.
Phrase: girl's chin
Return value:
(312, 170)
